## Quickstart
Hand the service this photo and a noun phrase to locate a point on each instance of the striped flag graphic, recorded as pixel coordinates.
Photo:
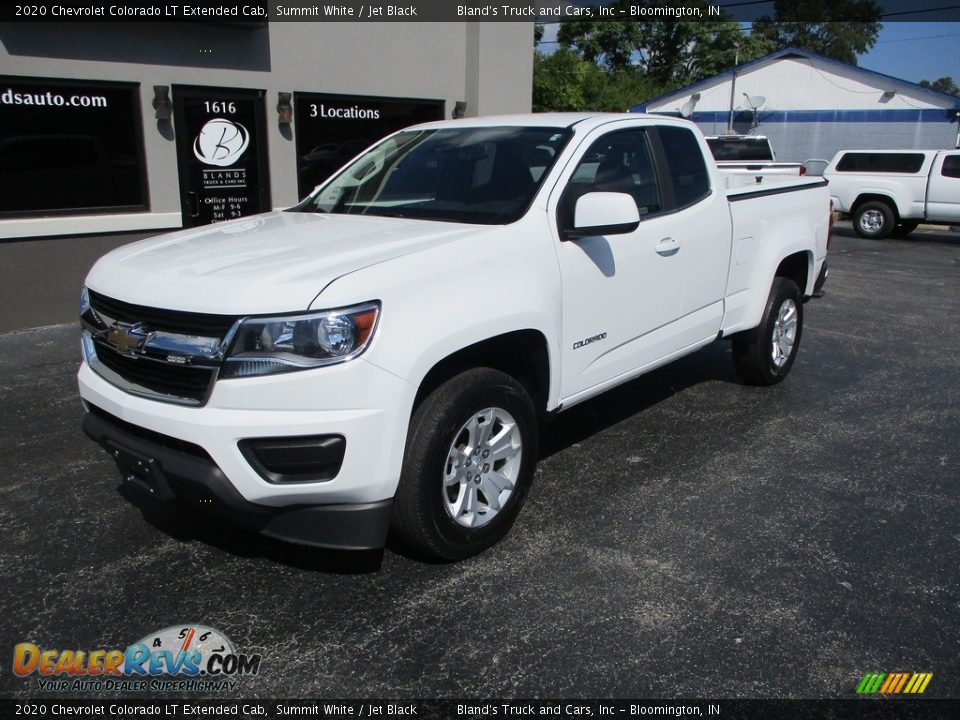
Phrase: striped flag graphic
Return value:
(894, 683)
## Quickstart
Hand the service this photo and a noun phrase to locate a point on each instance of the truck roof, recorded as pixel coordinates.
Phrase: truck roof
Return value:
(551, 119)
(758, 138)
(895, 150)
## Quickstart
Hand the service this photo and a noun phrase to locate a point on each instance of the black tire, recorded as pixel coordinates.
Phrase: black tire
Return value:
(904, 228)
(874, 220)
(420, 515)
(753, 354)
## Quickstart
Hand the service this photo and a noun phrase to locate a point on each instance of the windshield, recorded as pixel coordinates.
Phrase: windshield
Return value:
(484, 175)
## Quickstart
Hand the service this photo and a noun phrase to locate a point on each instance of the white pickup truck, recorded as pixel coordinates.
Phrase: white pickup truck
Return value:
(890, 192)
(749, 159)
(381, 354)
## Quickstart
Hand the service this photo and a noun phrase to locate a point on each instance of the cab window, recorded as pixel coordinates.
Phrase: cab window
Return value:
(620, 161)
(951, 166)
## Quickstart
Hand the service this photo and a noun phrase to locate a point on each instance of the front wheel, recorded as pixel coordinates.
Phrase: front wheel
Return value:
(468, 466)
(764, 355)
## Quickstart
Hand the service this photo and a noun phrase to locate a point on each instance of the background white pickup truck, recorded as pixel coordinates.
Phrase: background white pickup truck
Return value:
(749, 160)
(381, 354)
(890, 192)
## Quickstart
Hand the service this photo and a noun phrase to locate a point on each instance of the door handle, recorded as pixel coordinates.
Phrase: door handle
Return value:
(667, 247)
(193, 201)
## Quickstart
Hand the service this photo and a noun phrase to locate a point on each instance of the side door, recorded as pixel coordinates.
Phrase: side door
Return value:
(943, 192)
(707, 235)
(221, 153)
(621, 293)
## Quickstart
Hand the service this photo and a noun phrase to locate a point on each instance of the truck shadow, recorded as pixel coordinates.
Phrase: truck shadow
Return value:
(712, 363)
(187, 525)
(939, 235)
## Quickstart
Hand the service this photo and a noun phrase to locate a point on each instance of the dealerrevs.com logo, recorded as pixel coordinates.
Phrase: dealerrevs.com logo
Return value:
(175, 659)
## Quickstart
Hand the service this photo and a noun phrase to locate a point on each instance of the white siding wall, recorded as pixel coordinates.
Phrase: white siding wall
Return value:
(805, 84)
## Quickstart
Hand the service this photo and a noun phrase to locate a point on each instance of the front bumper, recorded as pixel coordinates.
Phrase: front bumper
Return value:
(198, 452)
(164, 469)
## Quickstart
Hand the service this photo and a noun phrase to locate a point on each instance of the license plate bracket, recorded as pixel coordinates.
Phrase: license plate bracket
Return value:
(141, 472)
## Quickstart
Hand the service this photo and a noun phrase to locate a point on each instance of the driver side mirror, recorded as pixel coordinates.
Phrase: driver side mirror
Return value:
(603, 213)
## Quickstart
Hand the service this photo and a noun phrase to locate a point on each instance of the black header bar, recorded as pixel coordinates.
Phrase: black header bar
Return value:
(257, 12)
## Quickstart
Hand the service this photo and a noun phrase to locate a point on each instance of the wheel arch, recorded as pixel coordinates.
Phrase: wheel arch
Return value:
(522, 354)
(798, 267)
(889, 200)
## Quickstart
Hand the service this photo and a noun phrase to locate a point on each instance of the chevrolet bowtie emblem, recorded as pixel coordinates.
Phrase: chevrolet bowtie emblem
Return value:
(127, 338)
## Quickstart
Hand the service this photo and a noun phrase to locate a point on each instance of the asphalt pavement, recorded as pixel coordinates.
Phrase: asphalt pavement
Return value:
(687, 535)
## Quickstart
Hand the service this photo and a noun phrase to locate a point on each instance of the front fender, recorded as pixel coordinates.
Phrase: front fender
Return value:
(439, 301)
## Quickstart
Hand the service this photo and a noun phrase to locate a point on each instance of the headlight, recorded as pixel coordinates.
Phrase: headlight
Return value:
(263, 346)
(84, 302)
(86, 339)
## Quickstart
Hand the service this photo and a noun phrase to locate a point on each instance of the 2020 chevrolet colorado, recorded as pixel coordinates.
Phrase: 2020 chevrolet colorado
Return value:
(380, 355)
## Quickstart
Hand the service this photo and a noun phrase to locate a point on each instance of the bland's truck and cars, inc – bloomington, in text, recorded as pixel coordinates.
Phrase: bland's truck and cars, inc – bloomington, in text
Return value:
(383, 354)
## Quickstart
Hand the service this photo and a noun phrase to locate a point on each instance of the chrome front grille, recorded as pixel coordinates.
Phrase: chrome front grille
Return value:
(175, 321)
(166, 355)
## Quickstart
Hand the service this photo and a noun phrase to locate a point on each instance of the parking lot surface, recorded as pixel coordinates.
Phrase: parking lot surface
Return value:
(687, 535)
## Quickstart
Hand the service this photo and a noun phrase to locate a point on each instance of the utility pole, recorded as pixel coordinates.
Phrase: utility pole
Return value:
(733, 87)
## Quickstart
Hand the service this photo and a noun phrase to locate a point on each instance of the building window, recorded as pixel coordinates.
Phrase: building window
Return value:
(332, 129)
(70, 147)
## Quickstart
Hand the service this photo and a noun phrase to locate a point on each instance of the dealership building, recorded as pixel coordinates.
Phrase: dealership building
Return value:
(811, 106)
(112, 131)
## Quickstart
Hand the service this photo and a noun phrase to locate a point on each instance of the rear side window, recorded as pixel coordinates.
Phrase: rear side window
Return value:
(688, 171)
(724, 149)
(951, 166)
(907, 163)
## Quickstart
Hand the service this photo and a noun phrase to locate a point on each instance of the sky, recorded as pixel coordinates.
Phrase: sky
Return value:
(911, 51)
(916, 51)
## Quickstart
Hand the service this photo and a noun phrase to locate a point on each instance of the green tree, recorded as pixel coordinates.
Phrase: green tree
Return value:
(670, 53)
(839, 29)
(609, 43)
(944, 85)
(714, 47)
(563, 81)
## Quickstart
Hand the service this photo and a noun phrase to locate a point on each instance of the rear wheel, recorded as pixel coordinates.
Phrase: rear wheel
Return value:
(873, 220)
(764, 355)
(469, 462)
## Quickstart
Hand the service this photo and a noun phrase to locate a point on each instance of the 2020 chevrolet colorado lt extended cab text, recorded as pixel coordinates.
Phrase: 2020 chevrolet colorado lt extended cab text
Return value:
(381, 354)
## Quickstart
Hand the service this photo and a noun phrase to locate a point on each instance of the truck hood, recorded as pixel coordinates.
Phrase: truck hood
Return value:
(277, 262)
